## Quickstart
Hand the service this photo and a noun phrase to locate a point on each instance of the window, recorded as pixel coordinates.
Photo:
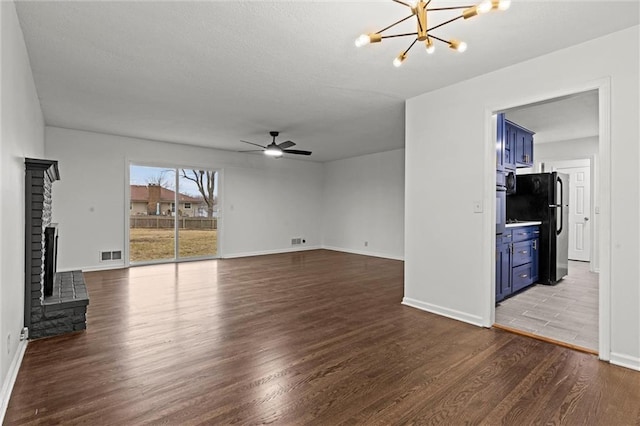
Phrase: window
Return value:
(187, 205)
(173, 207)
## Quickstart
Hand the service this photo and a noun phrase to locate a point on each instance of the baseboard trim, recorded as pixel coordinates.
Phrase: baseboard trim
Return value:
(364, 253)
(625, 361)
(95, 268)
(442, 311)
(12, 375)
(266, 252)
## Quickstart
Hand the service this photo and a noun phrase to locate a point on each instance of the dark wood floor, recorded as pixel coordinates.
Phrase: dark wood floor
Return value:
(316, 337)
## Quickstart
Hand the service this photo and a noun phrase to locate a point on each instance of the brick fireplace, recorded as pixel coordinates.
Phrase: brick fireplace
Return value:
(55, 302)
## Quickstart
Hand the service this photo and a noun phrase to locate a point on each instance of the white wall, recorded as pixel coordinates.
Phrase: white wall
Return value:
(22, 136)
(566, 150)
(448, 128)
(265, 202)
(364, 201)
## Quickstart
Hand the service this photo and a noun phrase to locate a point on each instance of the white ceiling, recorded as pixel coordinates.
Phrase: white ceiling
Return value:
(567, 118)
(212, 73)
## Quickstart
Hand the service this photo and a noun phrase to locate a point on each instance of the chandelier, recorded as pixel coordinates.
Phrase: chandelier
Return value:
(420, 9)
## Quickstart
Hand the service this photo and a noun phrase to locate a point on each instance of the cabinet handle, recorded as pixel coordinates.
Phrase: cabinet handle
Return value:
(522, 233)
(535, 244)
(523, 252)
(523, 276)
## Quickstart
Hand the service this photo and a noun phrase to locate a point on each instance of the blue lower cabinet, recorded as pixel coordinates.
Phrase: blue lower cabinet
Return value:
(517, 260)
(521, 277)
(503, 269)
(521, 253)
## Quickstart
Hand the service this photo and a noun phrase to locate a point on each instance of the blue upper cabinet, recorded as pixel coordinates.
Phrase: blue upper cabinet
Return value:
(514, 145)
(509, 145)
(521, 144)
(524, 149)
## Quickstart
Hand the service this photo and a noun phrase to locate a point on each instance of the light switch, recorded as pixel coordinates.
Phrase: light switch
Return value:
(477, 206)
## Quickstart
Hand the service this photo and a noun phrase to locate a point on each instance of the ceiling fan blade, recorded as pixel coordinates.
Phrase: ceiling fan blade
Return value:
(251, 143)
(296, 151)
(253, 150)
(286, 144)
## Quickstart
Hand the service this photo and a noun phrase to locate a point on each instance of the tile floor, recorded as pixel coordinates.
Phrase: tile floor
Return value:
(567, 311)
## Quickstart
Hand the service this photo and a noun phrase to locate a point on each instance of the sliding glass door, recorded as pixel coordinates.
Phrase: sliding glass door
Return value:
(173, 214)
(198, 213)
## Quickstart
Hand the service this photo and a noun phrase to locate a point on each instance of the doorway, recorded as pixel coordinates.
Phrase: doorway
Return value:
(567, 312)
(173, 214)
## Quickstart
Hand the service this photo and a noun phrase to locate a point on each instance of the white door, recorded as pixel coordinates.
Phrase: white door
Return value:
(579, 172)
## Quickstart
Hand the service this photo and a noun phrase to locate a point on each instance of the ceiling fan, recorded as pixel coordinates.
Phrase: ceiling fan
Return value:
(276, 150)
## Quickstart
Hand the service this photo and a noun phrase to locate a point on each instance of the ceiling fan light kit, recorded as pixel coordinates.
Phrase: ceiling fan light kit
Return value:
(273, 151)
(420, 10)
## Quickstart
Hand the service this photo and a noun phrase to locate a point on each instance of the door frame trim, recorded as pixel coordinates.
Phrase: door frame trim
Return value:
(603, 87)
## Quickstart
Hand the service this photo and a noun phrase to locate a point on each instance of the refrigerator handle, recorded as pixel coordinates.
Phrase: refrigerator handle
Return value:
(561, 204)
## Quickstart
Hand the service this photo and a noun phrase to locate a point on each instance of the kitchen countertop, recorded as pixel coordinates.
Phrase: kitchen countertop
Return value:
(518, 224)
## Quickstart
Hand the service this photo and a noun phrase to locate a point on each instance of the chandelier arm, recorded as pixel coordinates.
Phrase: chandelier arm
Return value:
(444, 23)
(439, 39)
(403, 3)
(427, 4)
(400, 35)
(394, 24)
(450, 8)
(410, 46)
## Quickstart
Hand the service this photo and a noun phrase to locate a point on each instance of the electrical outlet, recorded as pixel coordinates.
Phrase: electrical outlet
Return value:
(477, 206)
(366, 243)
(9, 343)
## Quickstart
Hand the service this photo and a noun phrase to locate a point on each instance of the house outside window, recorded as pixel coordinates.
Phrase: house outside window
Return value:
(187, 205)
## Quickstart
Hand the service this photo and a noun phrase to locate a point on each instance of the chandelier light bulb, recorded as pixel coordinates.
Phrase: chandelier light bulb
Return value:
(363, 40)
(460, 46)
(484, 6)
(430, 47)
(501, 4)
(399, 60)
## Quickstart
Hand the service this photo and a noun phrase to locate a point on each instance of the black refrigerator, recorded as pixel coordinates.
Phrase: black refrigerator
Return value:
(545, 197)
